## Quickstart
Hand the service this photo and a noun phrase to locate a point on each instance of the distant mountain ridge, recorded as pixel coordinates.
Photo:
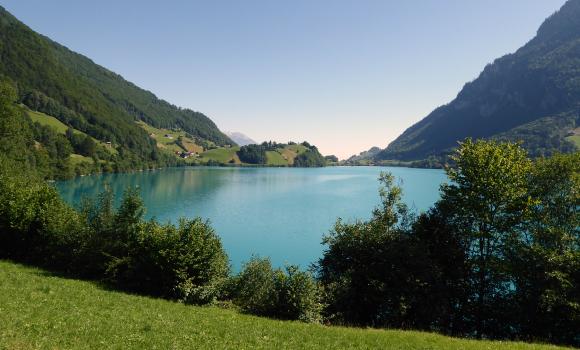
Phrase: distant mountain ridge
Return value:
(239, 138)
(363, 156)
(531, 95)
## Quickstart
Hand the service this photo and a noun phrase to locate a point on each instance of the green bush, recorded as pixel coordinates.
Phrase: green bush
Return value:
(292, 294)
(35, 224)
(184, 262)
(255, 287)
(299, 296)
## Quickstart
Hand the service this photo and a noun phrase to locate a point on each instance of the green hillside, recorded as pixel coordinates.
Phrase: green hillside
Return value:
(81, 94)
(221, 155)
(39, 310)
(74, 117)
(280, 155)
(531, 95)
(58, 126)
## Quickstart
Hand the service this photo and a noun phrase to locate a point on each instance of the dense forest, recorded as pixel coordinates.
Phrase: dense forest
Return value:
(532, 95)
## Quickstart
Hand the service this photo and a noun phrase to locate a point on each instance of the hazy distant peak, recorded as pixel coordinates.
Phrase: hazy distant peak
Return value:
(240, 138)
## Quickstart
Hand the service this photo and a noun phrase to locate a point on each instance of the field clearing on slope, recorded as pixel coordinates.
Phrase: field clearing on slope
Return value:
(60, 127)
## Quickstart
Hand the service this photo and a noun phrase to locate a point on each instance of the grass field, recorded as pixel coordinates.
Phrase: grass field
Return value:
(45, 119)
(42, 311)
(222, 155)
(275, 158)
(77, 158)
(166, 139)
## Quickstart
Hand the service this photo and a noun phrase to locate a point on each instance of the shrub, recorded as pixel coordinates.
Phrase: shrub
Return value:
(299, 296)
(185, 262)
(255, 288)
(291, 294)
(35, 224)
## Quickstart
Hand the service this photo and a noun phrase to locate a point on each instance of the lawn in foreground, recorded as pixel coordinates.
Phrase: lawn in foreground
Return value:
(39, 310)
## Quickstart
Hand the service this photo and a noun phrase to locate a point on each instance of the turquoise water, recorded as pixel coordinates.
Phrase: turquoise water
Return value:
(277, 212)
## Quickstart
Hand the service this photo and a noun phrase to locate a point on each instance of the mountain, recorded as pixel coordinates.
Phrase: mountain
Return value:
(240, 138)
(363, 157)
(89, 98)
(531, 95)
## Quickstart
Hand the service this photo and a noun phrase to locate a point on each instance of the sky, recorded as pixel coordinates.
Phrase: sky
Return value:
(344, 75)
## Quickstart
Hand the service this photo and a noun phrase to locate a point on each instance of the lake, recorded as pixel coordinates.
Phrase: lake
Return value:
(277, 212)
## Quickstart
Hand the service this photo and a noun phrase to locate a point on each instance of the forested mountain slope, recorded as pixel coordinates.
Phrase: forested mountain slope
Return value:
(531, 95)
(61, 83)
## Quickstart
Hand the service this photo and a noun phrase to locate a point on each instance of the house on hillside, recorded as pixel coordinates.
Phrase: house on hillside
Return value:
(186, 155)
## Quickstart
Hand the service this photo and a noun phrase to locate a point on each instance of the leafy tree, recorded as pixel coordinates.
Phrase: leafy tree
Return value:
(487, 199)
(546, 259)
(355, 268)
(331, 158)
(15, 137)
(88, 147)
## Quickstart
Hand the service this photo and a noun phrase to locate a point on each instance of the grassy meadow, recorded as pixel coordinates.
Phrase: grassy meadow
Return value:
(39, 310)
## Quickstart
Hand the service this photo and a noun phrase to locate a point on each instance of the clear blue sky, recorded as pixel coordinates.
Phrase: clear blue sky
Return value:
(344, 75)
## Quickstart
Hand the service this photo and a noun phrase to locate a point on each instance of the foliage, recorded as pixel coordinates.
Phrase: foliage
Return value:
(546, 259)
(497, 257)
(292, 294)
(545, 137)
(35, 224)
(185, 262)
(31, 146)
(253, 154)
(310, 158)
(331, 159)
(393, 271)
(489, 197)
(354, 268)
